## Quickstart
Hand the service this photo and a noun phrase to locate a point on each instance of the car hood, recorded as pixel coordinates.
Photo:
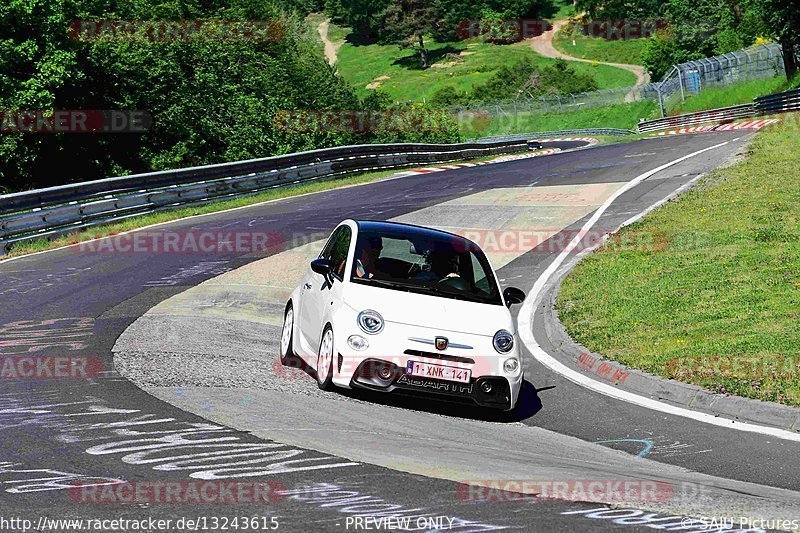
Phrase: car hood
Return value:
(424, 310)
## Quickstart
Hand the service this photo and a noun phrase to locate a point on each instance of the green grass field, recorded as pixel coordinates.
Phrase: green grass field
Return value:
(621, 51)
(740, 93)
(362, 65)
(564, 9)
(706, 289)
(623, 116)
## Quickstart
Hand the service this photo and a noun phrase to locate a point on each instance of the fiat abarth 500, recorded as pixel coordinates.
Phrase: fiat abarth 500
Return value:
(395, 307)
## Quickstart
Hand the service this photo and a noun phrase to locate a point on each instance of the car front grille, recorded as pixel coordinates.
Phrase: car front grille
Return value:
(440, 356)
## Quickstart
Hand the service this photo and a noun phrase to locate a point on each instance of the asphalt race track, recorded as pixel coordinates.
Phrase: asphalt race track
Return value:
(216, 407)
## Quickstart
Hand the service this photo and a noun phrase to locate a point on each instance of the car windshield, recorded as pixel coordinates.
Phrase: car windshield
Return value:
(424, 261)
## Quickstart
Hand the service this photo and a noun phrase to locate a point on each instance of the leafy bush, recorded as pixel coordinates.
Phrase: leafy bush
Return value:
(211, 100)
(449, 96)
(525, 79)
(521, 79)
(662, 52)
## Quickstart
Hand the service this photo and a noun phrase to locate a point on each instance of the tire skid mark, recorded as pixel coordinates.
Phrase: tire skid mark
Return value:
(207, 451)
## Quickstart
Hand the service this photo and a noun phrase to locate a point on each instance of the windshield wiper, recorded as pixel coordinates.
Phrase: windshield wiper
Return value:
(410, 287)
(395, 285)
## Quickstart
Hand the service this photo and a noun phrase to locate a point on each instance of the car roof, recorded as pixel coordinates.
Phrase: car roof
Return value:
(408, 229)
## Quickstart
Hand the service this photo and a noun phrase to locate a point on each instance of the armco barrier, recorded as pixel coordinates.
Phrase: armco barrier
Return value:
(58, 210)
(341, 155)
(782, 102)
(701, 117)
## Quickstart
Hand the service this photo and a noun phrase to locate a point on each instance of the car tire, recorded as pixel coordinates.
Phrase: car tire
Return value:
(325, 360)
(287, 355)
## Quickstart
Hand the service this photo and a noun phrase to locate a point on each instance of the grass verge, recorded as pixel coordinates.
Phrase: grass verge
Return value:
(740, 93)
(623, 116)
(706, 289)
(625, 51)
(398, 74)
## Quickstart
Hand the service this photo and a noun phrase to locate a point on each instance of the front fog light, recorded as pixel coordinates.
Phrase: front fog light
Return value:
(511, 365)
(357, 342)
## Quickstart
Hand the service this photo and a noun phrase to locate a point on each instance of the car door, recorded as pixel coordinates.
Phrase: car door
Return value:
(319, 293)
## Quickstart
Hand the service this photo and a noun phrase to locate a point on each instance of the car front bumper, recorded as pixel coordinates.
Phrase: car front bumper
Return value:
(383, 367)
(499, 392)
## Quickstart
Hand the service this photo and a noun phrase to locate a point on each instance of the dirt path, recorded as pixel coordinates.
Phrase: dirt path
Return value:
(543, 45)
(331, 48)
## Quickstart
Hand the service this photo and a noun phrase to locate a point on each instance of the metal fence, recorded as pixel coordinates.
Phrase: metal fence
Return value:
(563, 103)
(686, 79)
(559, 133)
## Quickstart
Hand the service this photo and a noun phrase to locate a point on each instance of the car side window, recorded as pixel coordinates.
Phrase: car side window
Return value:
(340, 246)
(328, 249)
(481, 281)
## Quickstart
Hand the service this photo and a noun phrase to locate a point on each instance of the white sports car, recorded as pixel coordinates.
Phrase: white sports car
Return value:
(394, 307)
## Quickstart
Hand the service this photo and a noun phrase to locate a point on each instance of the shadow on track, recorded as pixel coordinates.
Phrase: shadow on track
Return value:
(527, 406)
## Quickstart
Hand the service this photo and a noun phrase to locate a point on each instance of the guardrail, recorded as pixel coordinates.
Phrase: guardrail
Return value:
(701, 117)
(782, 102)
(58, 210)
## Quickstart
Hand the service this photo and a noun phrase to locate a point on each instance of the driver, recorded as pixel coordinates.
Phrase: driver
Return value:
(365, 264)
(452, 267)
(443, 265)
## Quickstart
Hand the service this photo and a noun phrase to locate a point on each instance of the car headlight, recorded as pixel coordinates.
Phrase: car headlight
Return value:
(370, 321)
(503, 341)
(357, 342)
(511, 365)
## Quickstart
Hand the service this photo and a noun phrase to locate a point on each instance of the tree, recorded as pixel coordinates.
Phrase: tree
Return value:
(703, 28)
(408, 21)
(211, 100)
(662, 52)
(459, 19)
(619, 9)
(363, 16)
(781, 20)
(525, 79)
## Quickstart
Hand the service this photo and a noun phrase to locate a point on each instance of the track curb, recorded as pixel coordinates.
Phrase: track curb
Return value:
(572, 354)
(594, 366)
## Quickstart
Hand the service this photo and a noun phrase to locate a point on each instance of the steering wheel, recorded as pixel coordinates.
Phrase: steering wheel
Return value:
(455, 282)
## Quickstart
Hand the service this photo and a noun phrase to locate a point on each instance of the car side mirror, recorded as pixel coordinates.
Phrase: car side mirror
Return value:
(323, 267)
(513, 295)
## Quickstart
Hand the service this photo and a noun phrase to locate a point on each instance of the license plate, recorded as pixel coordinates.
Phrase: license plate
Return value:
(447, 373)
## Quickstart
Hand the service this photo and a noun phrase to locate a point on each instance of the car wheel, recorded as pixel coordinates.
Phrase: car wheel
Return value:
(325, 360)
(287, 341)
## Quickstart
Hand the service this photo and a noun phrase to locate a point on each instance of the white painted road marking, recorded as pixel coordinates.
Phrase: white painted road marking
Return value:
(525, 328)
